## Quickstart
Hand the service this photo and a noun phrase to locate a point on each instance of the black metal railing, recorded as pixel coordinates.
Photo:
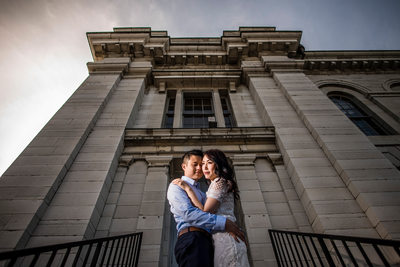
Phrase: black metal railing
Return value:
(309, 249)
(122, 250)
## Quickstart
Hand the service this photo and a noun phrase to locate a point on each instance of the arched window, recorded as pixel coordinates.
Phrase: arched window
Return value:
(359, 117)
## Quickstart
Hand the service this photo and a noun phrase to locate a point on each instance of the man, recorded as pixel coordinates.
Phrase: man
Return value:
(194, 245)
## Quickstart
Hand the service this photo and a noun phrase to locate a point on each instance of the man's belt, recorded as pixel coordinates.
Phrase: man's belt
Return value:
(192, 229)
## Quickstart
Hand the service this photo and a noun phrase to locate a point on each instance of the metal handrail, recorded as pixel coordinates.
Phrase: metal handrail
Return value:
(122, 250)
(310, 249)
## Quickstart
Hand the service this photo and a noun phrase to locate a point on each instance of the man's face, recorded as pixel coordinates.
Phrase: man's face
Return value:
(192, 168)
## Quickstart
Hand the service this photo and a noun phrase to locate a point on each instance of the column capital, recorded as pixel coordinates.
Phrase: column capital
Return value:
(243, 159)
(275, 158)
(159, 161)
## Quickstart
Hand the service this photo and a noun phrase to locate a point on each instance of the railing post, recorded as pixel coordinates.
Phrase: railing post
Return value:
(96, 254)
(326, 252)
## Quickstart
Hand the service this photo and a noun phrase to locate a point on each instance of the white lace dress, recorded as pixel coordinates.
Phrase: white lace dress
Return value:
(227, 252)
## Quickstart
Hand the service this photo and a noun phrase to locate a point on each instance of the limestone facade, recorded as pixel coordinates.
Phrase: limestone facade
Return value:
(102, 164)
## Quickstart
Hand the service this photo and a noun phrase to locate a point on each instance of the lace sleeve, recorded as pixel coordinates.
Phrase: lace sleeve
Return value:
(217, 189)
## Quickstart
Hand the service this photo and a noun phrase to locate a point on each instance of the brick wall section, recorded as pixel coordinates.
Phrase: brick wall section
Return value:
(370, 178)
(30, 183)
(75, 211)
(329, 205)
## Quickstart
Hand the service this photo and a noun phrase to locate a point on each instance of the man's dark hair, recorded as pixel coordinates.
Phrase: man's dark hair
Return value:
(194, 152)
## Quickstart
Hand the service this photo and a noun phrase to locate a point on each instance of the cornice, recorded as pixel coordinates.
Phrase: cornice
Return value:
(163, 50)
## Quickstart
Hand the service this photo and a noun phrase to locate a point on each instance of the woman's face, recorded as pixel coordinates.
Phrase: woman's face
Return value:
(209, 168)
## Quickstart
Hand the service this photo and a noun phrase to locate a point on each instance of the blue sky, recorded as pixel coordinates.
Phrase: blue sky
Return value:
(44, 50)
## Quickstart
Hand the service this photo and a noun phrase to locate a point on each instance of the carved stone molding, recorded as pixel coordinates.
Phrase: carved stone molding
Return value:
(158, 160)
(243, 159)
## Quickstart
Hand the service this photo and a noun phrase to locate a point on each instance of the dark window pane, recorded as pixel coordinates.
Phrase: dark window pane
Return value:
(357, 116)
(197, 109)
(169, 111)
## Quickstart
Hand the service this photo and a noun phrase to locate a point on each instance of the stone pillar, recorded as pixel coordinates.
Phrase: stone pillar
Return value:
(151, 212)
(219, 115)
(178, 109)
(30, 183)
(329, 205)
(366, 174)
(254, 210)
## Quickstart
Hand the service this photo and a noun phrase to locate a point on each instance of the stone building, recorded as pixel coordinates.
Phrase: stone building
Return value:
(313, 137)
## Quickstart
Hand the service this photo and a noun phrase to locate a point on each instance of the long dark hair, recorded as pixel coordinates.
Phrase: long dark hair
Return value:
(223, 169)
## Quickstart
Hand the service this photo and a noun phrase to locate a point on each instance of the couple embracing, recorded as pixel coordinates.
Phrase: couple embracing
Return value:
(207, 233)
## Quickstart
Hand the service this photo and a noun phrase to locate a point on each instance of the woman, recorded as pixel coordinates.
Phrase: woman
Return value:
(220, 200)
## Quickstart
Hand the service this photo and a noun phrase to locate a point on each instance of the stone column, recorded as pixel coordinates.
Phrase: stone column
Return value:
(151, 212)
(30, 183)
(178, 109)
(329, 205)
(219, 115)
(254, 210)
(367, 175)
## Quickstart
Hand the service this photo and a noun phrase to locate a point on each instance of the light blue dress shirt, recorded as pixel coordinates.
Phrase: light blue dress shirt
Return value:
(186, 214)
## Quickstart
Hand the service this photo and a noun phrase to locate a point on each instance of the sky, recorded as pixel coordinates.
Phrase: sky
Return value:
(44, 49)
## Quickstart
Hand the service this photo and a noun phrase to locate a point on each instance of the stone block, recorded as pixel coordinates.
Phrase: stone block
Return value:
(68, 212)
(37, 241)
(149, 254)
(357, 187)
(341, 221)
(150, 222)
(109, 210)
(104, 224)
(367, 200)
(126, 212)
(130, 199)
(16, 222)
(251, 196)
(248, 185)
(116, 187)
(383, 214)
(283, 222)
(278, 209)
(137, 178)
(75, 199)
(267, 176)
(274, 197)
(19, 206)
(260, 252)
(112, 198)
(386, 229)
(270, 186)
(257, 235)
(154, 196)
(315, 171)
(148, 209)
(245, 175)
(76, 229)
(250, 208)
(132, 188)
(123, 225)
(80, 187)
(151, 236)
(257, 221)
(85, 176)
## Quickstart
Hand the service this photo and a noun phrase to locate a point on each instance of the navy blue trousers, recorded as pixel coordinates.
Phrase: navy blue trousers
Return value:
(194, 249)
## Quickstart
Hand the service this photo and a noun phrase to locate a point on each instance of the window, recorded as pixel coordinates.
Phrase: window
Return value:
(198, 110)
(226, 109)
(170, 109)
(360, 118)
